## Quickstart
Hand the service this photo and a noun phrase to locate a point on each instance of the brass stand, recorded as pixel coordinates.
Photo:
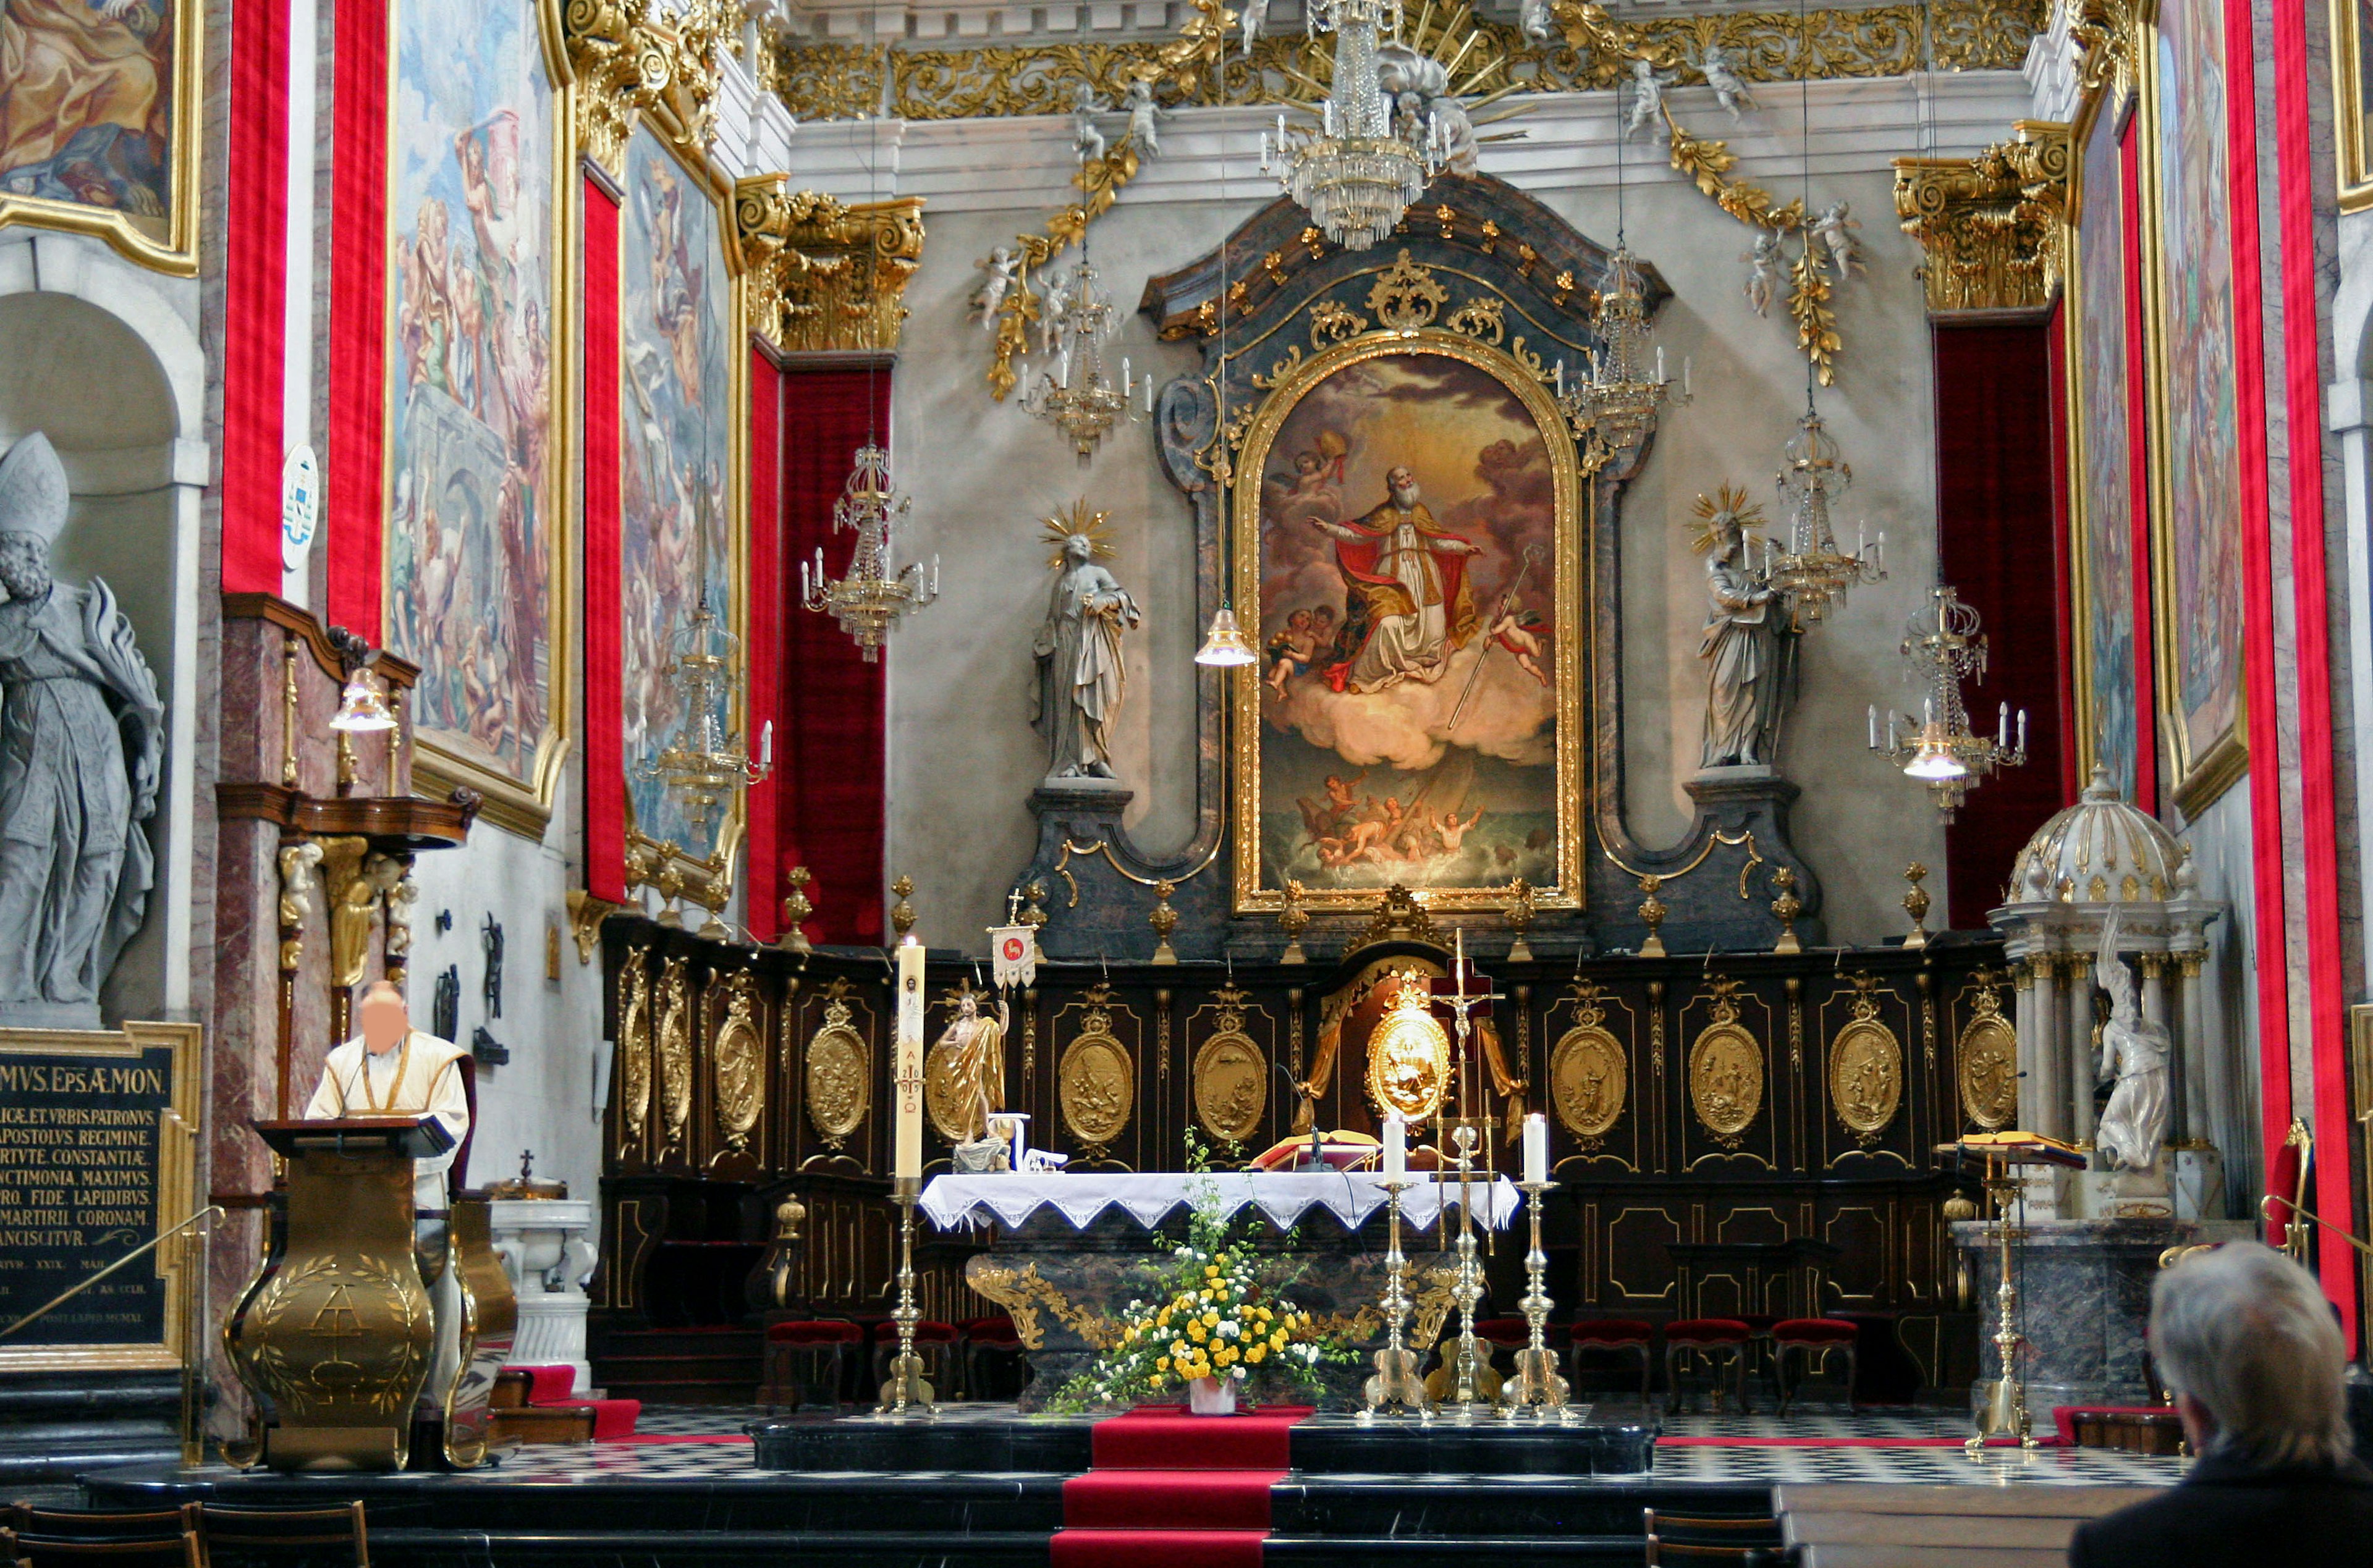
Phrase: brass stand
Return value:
(1396, 1382)
(906, 1387)
(1468, 1363)
(1537, 1386)
(2005, 1408)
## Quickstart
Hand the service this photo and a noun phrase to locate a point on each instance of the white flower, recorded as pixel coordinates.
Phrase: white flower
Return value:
(1237, 1372)
(1229, 1327)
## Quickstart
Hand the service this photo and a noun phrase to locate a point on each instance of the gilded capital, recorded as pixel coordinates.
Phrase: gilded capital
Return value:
(625, 61)
(826, 275)
(1991, 224)
(2104, 32)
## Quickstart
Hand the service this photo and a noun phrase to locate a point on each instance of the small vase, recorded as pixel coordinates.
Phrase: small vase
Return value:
(1212, 1396)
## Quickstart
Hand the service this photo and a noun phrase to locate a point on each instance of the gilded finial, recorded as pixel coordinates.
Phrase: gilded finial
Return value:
(1520, 919)
(1652, 915)
(1164, 920)
(902, 913)
(1915, 905)
(1787, 907)
(1293, 920)
(797, 908)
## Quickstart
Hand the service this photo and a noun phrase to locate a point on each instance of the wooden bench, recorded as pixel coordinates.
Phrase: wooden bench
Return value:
(1873, 1525)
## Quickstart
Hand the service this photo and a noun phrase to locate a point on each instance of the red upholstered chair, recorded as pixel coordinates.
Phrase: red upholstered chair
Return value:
(1719, 1342)
(991, 1345)
(1813, 1339)
(1619, 1336)
(935, 1343)
(806, 1345)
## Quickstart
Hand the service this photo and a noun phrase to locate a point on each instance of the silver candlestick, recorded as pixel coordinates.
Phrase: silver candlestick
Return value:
(906, 1387)
(1396, 1382)
(1535, 1384)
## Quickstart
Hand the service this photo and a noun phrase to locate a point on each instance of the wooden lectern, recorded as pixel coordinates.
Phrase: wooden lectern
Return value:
(335, 1335)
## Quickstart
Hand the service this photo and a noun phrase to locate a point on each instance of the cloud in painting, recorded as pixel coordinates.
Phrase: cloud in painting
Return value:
(1511, 715)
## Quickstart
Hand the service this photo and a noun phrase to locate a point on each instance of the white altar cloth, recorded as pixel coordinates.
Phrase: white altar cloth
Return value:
(950, 1201)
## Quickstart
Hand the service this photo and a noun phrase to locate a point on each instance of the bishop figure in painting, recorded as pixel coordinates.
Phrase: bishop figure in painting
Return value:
(1408, 604)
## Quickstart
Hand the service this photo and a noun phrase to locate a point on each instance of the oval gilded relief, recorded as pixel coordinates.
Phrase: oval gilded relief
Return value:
(1989, 1070)
(1097, 1086)
(1727, 1081)
(634, 1051)
(942, 1095)
(839, 1076)
(738, 1057)
(1231, 1087)
(1409, 1056)
(1588, 1081)
(673, 1039)
(1865, 1076)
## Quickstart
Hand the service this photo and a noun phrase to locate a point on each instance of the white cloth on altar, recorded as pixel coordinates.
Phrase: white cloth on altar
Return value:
(951, 1202)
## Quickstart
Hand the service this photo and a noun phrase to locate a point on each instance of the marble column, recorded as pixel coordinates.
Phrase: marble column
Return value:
(2024, 1018)
(2202, 1062)
(2048, 1067)
(2080, 1079)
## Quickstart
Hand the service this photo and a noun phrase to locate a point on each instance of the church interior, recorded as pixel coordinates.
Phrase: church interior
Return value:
(1184, 781)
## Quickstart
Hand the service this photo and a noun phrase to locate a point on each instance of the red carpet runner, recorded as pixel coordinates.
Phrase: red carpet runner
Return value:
(1178, 1490)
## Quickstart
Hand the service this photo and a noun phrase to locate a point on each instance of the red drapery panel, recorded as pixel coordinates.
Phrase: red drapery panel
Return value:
(2000, 539)
(2063, 596)
(255, 283)
(605, 713)
(832, 704)
(357, 319)
(765, 649)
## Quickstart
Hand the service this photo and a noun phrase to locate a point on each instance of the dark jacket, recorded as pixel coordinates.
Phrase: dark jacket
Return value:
(2226, 1513)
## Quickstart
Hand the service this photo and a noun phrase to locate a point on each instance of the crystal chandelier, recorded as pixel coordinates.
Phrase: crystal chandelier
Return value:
(1618, 404)
(705, 763)
(1812, 571)
(1074, 394)
(1944, 647)
(869, 601)
(1355, 174)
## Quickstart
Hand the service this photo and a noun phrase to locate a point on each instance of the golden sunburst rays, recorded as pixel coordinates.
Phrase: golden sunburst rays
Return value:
(1728, 503)
(1445, 33)
(1083, 522)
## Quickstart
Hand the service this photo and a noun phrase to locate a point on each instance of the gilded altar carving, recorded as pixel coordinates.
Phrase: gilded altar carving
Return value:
(1986, 1058)
(1400, 917)
(826, 275)
(1230, 1076)
(1726, 1072)
(634, 1049)
(1865, 1068)
(1409, 1054)
(353, 902)
(737, 1062)
(838, 1072)
(1095, 1082)
(626, 61)
(1589, 1074)
(2107, 33)
(1024, 1294)
(672, 1041)
(1992, 226)
(586, 915)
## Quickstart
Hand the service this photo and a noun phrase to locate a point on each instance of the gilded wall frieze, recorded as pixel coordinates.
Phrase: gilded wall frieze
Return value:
(1991, 224)
(626, 61)
(826, 275)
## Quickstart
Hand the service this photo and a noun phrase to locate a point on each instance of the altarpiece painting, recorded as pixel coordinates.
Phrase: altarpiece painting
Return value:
(2109, 719)
(476, 459)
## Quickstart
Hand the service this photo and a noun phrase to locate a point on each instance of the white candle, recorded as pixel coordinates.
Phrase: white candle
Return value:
(1396, 1148)
(1928, 714)
(766, 745)
(1149, 394)
(2022, 732)
(1561, 377)
(909, 1061)
(2002, 729)
(1685, 376)
(1660, 363)
(1874, 726)
(1127, 384)
(1536, 1148)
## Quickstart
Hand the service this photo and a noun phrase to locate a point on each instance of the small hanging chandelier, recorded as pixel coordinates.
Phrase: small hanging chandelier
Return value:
(1074, 394)
(1812, 571)
(1944, 647)
(1225, 646)
(1355, 174)
(869, 601)
(705, 763)
(1618, 404)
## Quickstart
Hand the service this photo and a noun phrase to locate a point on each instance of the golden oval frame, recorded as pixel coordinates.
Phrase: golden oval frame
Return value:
(1989, 1095)
(1729, 1122)
(1592, 1041)
(675, 1049)
(1095, 1123)
(634, 1050)
(1864, 1043)
(836, 1070)
(1214, 1056)
(1410, 1030)
(736, 1067)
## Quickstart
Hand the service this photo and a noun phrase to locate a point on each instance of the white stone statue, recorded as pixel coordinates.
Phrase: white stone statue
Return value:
(2134, 1125)
(1763, 279)
(1728, 90)
(81, 733)
(1256, 16)
(1000, 272)
(1533, 17)
(1647, 97)
(1082, 679)
(1425, 112)
(1142, 112)
(1746, 679)
(1052, 307)
(1086, 140)
(1831, 237)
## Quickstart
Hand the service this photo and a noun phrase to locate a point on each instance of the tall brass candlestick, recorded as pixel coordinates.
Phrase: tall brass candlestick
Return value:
(1537, 1386)
(1396, 1382)
(2005, 1407)
(906, 1389)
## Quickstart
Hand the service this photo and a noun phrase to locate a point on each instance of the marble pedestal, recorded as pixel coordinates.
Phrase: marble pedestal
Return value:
(543, 1244)
(2084, 1301)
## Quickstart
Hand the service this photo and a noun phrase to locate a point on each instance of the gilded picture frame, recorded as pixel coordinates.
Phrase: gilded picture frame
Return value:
(517, 801)
(174, 251)
(1256, 889)
(2351, 94)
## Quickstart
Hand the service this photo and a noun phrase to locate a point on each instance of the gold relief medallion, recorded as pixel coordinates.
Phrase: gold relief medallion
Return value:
(1096, 1083)
(1726, 1072)
(1231, 1087)
(634, 1049)
(1588, 1079)
(943, 1098)
(738, 1055)
(839, 1073)
(1988, 1051)
(1865, 1068)
(674, 1039)
(1409, 1054)
(338, 1333)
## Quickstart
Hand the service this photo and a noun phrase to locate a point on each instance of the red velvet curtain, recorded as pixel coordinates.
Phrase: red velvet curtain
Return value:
(2002, 544)
(605, 713)
(832, 731)
(357, 435)
(763, 825)
(255, 282)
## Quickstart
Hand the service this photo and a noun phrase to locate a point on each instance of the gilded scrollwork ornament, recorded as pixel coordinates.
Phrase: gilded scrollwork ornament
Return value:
(628, 59)
(673, 1047)
(634, 1048)
(737, 1056)
(1992, 226)
(826, 276)
(837, 1073)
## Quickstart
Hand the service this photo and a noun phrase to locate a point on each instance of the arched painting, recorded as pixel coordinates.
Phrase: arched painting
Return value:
(1408, 531)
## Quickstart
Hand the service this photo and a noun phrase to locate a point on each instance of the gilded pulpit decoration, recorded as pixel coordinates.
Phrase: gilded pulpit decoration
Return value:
(840, 1071)
(738, 1060)
(1865, 1068)
(675, 1049)
(337, 1332)
(634, 1049)
(1231, 1075)
(1409, 1054)
(298, 862)
(826, 276)
(1726, 1072)
(1096, 1083)
(1588, 1074)
(1988, 1056)
(353, 902)
(1991, 224)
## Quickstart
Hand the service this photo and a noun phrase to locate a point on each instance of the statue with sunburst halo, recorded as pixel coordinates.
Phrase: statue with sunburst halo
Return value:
(1081, 680)
(1749, 643)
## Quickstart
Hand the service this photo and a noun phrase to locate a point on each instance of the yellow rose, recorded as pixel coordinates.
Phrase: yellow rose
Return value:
(1211, 1319)
(1225, 1355)
(1161, 1363)
(1254, 1355)
(1196, 1332)
(1277, 1341)
(1212, 1272)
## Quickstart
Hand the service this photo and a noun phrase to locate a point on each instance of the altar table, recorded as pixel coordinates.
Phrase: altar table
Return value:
(1351, 1197)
